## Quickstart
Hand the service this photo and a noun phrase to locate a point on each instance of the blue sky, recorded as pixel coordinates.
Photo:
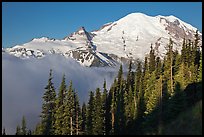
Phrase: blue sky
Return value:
(23, 21)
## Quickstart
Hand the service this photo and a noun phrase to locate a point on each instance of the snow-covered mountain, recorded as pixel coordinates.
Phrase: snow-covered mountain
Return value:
(127, 38)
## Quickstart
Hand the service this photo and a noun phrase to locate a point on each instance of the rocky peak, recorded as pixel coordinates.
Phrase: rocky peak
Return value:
(80, 33)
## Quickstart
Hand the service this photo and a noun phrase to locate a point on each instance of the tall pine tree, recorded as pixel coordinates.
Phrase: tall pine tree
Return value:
(99, 114)
(48, 108)
(90, 114)
(60, 108)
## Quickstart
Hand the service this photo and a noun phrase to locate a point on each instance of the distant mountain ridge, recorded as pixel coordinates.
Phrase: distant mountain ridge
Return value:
(117, 42)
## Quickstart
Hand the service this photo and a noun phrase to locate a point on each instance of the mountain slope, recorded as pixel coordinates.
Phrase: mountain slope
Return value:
(128, 38)
(187, 123)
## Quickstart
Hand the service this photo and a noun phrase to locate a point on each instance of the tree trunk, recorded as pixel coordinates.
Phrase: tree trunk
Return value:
(171, 76)
(113, 120)
(77, 124)
(71, 125)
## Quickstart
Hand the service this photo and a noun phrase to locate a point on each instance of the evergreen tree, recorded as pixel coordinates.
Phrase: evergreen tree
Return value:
(177, 62)
(151, 94)
(196, 49)
(99, 115)
(4, 131)
(23, 128)
(106, 110)
(68, 112)
(113, 97)
(138, 75)
(168, 68)
(151, 60)
(130, 77)
(83, 113)
(184, 52)
(60, 108)
(38, 129)
(120, 108)
(120, 78)
(18, 130)
(48, 107)
(158, 67)
(90, 114)
(200, 70)
(77, 119)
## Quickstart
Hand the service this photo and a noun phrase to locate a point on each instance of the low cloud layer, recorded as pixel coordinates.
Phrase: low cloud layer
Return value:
(24, 80)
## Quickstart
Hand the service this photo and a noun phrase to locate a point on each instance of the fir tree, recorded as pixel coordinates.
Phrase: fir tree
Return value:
(168, 68)
(200, 70)
(4, 131)
(196, 49)
(18, 130)
(151, 60)
(60, 108)
(23, 128)
(130, 77)
(68, 112)
(113, 97)
(120, 108)
(99, 116)
(90, 114)
(77, 119)
(83, 113)
(38, 129)
(158, 67)
(48, 107)
(106, 110)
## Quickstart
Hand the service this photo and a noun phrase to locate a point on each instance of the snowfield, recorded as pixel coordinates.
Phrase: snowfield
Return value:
(129, 38)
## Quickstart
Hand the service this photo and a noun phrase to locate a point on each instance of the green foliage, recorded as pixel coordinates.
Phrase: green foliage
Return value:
(48, 107)
(24, 130)
(187, 123)
(58, 125)
(99, 114)
(84, 116)
(200, 70)
(68, 112)
(152, 60)
(4, 131)
(38, 129)
(90, 114)
(18, 130)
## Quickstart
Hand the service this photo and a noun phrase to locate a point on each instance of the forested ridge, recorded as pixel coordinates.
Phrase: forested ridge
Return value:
(143, 103)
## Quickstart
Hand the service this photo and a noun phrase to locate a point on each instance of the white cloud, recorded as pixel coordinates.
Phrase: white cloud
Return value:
(23, 85)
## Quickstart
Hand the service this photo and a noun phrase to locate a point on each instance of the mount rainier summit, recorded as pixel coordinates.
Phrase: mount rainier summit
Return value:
(116, 42)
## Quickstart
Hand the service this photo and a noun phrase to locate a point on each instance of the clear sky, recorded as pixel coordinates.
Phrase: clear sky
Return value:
(22, 21)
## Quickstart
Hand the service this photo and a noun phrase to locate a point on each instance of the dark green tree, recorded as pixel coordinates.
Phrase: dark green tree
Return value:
(83, 114)
(4, 131)
(48, 108)
(38, 129)
(106, 110)
(99, 114)
(130, 77)
(200, 70)
(77, 119)
(158, 67)
(113, 97)
(196, 49)
(68, 128)
(168, 68)
(24, 128)
(18, 130)
(152, 60)
(90, 114)
(60, 108)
